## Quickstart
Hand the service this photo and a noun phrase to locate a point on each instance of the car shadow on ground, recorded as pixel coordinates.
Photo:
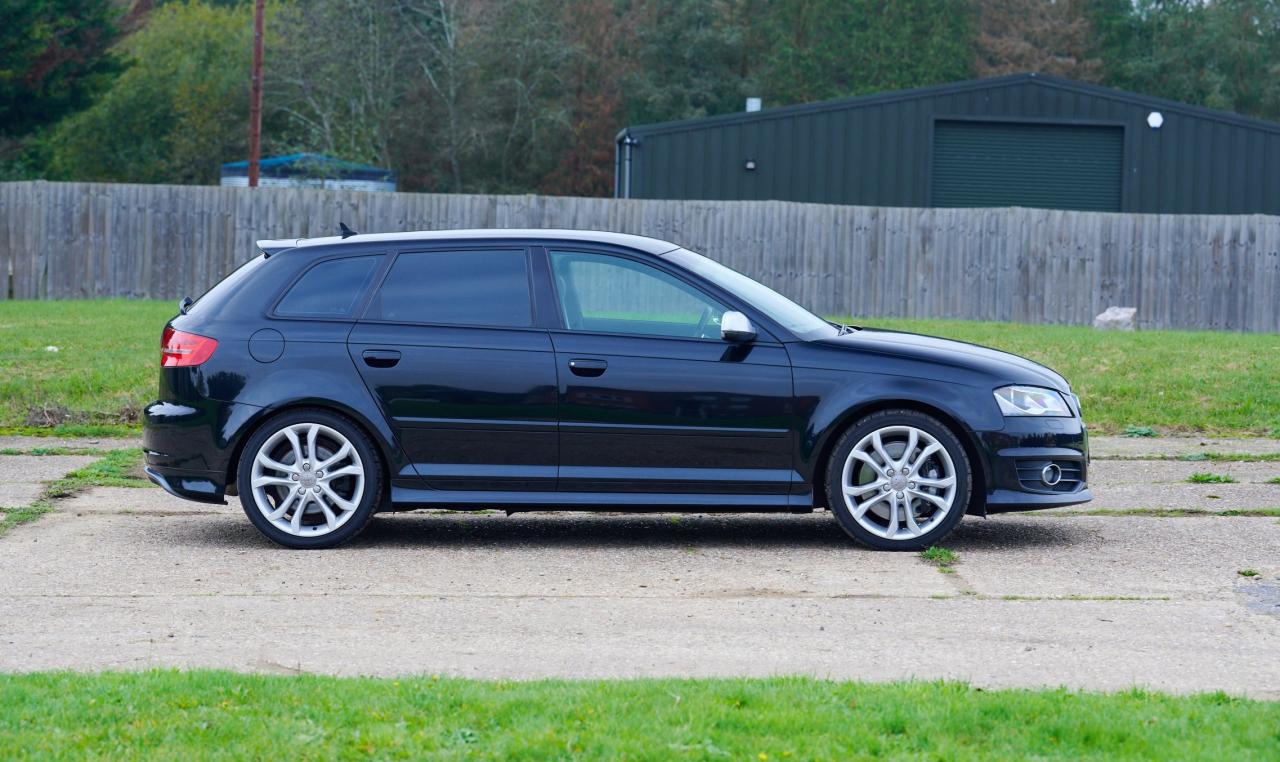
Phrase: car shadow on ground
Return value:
(436, 529)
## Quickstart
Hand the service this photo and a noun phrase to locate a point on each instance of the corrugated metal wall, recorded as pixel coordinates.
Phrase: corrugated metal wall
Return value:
(877, 150)
(84, 240)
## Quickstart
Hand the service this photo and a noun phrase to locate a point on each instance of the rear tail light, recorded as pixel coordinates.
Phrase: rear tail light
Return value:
(179, 349)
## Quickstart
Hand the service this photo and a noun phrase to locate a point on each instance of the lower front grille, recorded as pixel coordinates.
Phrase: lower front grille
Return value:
(1051, 475)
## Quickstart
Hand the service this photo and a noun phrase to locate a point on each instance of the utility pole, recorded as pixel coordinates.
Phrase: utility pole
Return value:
(255, 96)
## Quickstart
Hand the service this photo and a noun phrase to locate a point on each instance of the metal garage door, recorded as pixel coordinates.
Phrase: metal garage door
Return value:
(1051, 166)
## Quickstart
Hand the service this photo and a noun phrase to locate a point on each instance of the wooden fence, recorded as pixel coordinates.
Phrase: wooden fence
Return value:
(85, 240)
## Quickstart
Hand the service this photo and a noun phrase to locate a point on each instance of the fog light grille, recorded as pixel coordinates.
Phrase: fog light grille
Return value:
(1051, 475)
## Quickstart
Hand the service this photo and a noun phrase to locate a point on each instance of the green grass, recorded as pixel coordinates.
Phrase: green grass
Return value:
(1169, 381)
(201, 715)
(940, 557)
(1248, 572)
(104, 371)
(1138, 432)
(1204, 477)
(118, 468)
(1273, 480)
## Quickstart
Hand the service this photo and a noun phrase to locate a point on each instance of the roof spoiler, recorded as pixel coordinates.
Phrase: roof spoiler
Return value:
(269, 247)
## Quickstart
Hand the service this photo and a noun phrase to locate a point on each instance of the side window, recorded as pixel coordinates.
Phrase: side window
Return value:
(611, 294)
(330, 289)
(487, 288)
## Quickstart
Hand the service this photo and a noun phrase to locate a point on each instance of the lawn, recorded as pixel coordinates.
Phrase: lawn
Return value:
(190, 715)
(103, 372)
(1215, 383)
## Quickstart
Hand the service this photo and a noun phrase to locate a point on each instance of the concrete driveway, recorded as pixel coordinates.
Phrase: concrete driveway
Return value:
(131, 578)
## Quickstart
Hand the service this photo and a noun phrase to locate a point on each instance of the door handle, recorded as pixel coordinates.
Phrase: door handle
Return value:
(590, 368)
(381, 358)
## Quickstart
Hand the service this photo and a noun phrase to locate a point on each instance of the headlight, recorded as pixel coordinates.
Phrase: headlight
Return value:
(1031, 400)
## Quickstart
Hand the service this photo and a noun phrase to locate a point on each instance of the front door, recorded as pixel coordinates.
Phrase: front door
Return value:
(449, 348)
(652, 399)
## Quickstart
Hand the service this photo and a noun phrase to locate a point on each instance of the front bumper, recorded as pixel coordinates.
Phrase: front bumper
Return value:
(1036, 463)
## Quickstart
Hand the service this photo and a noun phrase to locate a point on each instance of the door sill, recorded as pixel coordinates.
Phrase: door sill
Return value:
(408, 498)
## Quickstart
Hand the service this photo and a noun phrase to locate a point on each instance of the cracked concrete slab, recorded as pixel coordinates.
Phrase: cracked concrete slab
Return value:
(1106, 474)
(1178, 647)
(22, 477)
(1178, 446)
(142, 499)
(1101, 556)
(451, 554)
(589, 595)
(71, 443)
(1162, 484)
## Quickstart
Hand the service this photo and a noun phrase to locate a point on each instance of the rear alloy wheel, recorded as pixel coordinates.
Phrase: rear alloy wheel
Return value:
(309, 479)
(898, 480)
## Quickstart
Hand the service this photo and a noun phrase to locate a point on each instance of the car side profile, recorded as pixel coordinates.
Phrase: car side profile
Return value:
(332, 378)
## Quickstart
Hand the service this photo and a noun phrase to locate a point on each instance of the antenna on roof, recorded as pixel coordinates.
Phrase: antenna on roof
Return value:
(346, 231)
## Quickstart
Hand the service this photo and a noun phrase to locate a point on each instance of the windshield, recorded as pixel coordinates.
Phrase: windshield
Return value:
(779, 308)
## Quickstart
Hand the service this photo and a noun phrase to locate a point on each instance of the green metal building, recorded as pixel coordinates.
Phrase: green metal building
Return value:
(1021, 140)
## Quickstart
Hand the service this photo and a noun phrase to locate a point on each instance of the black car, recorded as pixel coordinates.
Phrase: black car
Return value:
(328, 379)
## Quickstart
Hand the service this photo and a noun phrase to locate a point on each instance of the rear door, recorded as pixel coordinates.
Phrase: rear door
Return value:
(449, 347)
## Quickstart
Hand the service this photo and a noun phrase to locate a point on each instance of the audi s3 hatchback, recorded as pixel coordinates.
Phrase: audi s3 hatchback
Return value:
(329, 379)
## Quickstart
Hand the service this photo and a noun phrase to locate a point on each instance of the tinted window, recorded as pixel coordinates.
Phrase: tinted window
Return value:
(216, 297)
(609, 294)
(456, 288)
(330, 289)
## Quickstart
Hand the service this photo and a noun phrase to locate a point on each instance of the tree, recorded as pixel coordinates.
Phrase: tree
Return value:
(1047, 36)
(337, 74)
(54, 59)
(821, 49)
(598, 38)
(1223, 54)
(488, 95)
(175, 113)
(687, 56)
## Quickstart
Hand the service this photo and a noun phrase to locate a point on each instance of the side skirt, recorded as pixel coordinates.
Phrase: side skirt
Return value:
(408, 498)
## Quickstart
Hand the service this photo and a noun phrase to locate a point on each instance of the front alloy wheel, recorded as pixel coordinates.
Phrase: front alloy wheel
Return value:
(309, 479)
(898, 480)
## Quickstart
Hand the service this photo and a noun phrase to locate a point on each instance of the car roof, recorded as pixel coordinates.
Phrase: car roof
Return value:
(641, 243)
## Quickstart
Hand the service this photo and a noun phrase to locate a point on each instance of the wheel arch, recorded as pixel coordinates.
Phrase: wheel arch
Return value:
(388, 449)
(841, 424)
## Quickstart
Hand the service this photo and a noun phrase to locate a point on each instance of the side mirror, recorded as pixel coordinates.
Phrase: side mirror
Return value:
(736, 327)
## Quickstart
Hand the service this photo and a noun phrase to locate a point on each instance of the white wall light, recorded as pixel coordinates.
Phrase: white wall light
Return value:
(1155, 119)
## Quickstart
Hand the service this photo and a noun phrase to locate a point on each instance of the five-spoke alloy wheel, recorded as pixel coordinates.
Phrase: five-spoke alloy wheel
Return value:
(898, 480)
(309, 479)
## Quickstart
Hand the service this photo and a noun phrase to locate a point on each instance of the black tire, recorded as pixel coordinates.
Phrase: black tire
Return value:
(879, 420)
(371, 465)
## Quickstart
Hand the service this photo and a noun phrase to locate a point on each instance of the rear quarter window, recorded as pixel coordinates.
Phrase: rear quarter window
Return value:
(330, 289)
(216, 298)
